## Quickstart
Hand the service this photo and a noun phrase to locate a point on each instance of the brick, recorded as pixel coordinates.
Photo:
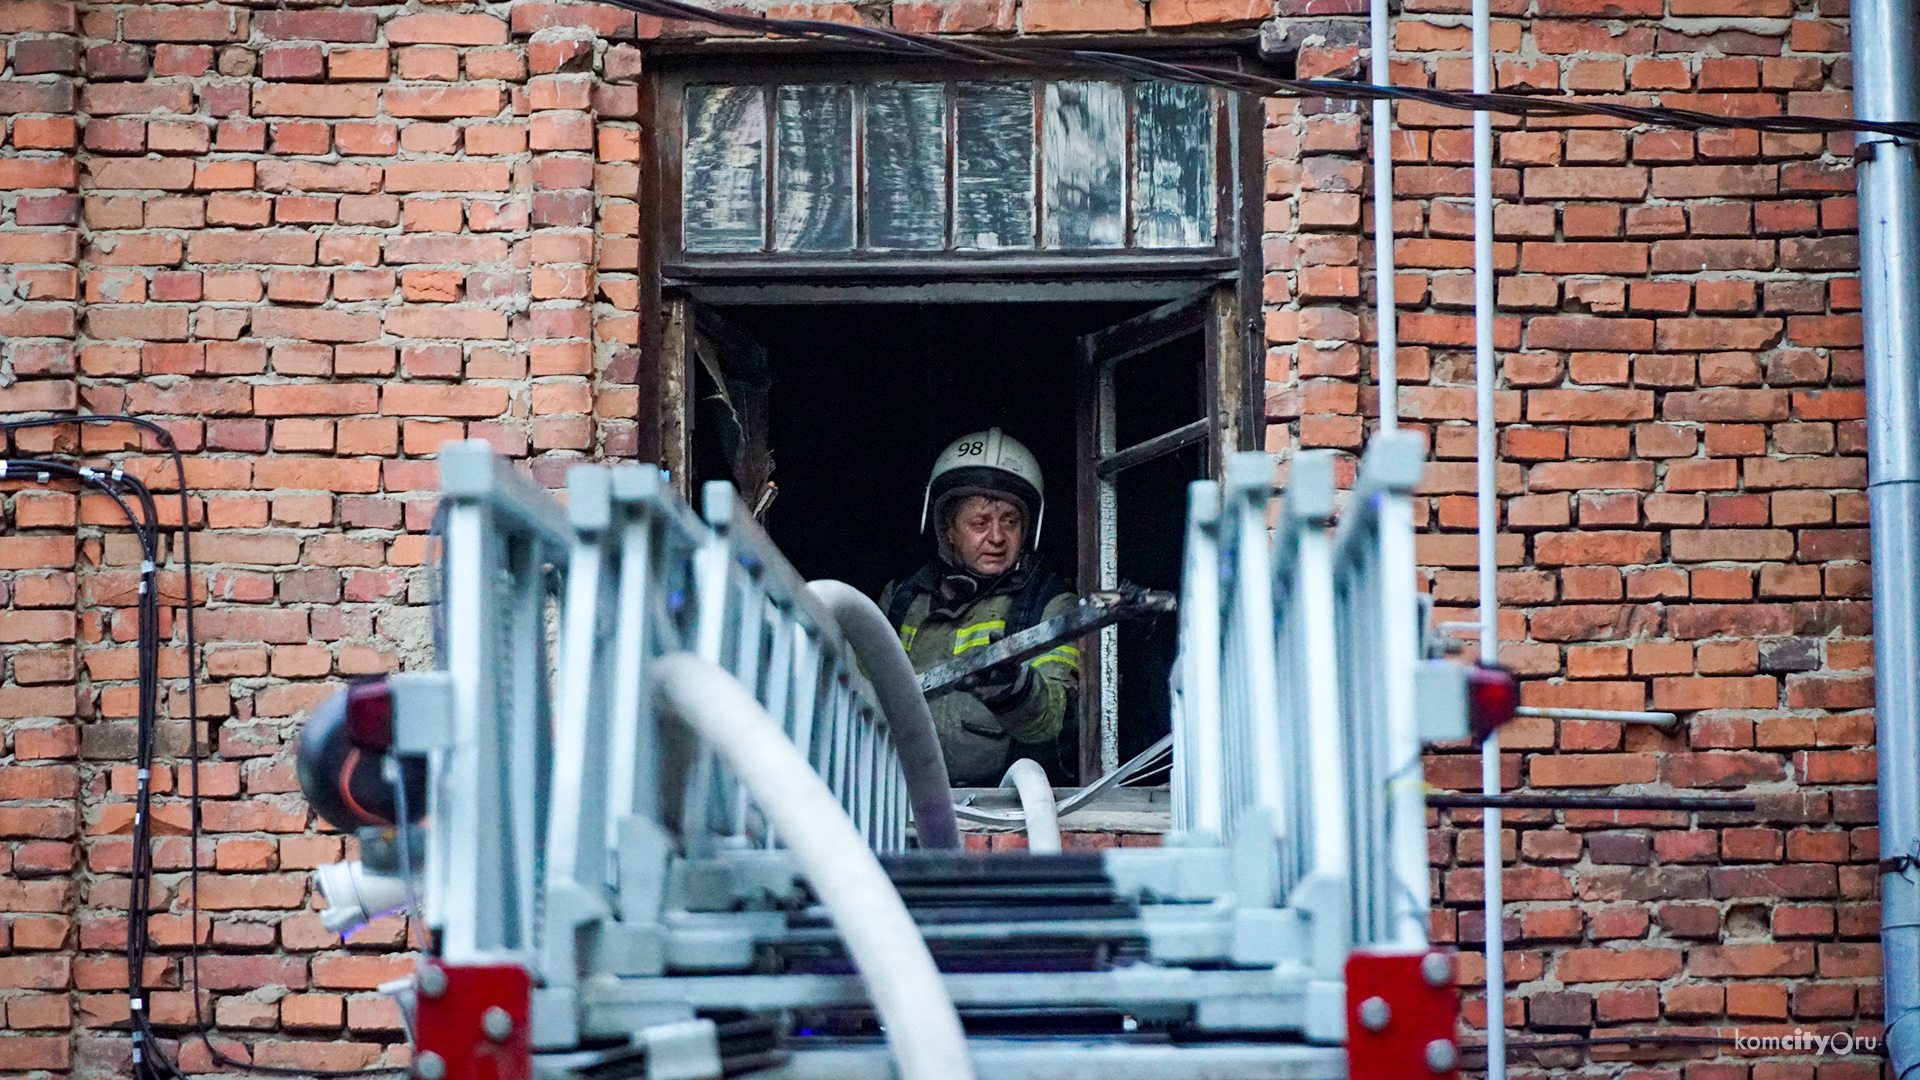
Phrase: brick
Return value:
(1683, 335)
(312, 325)
(309, 176)
(1616, 965)
(322, 100)
(1591, 770)
(442, 101)
(1628, 184)
(343, 25)
(1082, 16)
(1735, 545)
(1727, 405)
(285, 248)
(446, 321)
(210, 24)
(1588, 406)
(1753, 692)
(1584, 475)
(1750, 961)
(403, 399)
(413, 176)
(1604, 548)
(446, 30)
(1589, 332)
(312, 400)
(1771, 473)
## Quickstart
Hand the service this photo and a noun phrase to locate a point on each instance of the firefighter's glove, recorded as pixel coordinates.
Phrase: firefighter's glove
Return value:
(1003, 687)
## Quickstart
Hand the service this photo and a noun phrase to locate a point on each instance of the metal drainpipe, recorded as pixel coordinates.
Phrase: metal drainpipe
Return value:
(1485, 374)
(1385, 332)
(1884, 45)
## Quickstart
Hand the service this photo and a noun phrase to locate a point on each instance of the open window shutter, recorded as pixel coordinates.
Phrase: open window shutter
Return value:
(1122, 429)
(718, 398)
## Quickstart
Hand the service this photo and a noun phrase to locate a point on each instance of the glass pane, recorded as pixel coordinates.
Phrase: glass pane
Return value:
(723, 170)
(993, 155)
(1083, 140)
(907, 166)
(1173, 191)
(813, 168)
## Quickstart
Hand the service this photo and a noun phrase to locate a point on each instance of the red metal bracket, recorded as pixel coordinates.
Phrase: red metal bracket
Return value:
(472, 1023)
(1402, 1009)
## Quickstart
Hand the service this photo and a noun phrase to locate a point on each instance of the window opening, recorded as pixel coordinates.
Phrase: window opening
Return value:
(859, 398)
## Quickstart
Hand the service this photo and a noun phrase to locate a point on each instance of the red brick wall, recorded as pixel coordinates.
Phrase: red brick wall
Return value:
(1684, 520)
(316, 242)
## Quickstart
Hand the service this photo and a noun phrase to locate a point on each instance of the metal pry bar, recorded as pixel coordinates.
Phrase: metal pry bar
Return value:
(1095, 611)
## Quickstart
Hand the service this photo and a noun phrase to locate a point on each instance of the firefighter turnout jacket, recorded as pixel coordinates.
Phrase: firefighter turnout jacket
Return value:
(982, 731)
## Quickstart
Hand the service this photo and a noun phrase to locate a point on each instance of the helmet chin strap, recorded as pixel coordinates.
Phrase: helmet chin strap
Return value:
(962, 585)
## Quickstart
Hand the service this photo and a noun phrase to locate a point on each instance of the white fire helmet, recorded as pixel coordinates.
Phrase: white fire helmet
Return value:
(986, 463)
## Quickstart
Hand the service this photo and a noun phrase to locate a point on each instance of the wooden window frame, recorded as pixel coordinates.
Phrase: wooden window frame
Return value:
(1232, 275)
(676, 266)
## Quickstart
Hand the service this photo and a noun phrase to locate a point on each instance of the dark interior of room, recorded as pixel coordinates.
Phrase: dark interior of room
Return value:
(862, 398)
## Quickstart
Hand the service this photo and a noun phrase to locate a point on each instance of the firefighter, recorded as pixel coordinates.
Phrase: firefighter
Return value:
(985, 504)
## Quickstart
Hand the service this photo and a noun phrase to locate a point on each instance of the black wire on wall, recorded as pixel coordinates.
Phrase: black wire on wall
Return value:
(150, 1059)
(906, 44)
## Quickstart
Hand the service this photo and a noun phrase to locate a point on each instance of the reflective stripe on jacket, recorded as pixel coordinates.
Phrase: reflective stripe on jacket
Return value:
(978, 738)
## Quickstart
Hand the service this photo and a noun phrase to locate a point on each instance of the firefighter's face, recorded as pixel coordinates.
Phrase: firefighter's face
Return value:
(986, 534)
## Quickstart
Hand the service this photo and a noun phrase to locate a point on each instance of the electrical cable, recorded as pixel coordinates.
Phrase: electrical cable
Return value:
(151, 1061)
(148, 1060)
(923, 46)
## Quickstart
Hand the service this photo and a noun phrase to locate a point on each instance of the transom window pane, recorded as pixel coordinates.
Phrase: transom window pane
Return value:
(967, 166)
(1084, 144)
(813, 168)
(723, 197)
(907, 166)
(993, 164)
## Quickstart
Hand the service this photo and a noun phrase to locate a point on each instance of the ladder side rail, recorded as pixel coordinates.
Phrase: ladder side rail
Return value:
(1200, 806)
(781, 674)
(1307, 645)
(1375, 593)
(459, 820)
(714, 601)
(1328, 860)
(632, 746)
(658, 537)
(501, 537)
(1360, 774)
(775, 592)
(1230, 696)
(574, 886)
(527, 768)
(1249, 489)
(1406, 793)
